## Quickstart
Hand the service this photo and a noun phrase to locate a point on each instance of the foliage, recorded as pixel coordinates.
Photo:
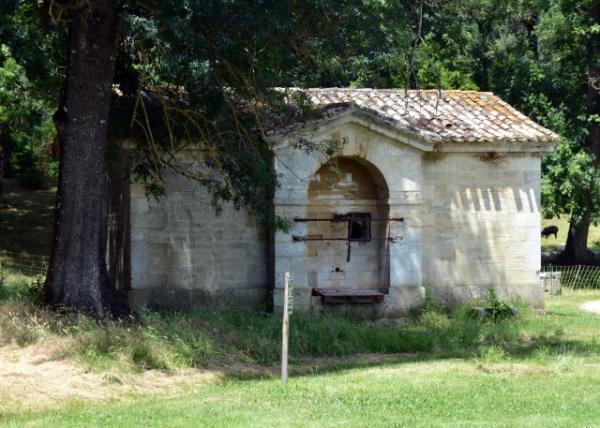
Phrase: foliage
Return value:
(534, 54)
(570, 177)
(30, 78)
(25, 124)
(206, 78)
(497, 309)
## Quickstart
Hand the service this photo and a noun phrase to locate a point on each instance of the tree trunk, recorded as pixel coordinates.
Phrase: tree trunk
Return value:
(77, 278)
(1, 162)
(117, 228)
(576, 251)
(7, 148)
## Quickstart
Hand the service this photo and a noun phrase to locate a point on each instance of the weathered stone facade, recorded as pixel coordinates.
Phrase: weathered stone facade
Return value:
(471, 222)
(183, 255)
(481, 226)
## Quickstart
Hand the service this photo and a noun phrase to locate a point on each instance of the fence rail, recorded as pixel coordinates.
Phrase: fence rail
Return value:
(576, 277)
(26, 264)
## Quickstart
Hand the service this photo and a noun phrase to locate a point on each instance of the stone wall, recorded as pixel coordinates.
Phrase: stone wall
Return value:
(481, 225)
(399, 166)
(183, 255)
(471, 222)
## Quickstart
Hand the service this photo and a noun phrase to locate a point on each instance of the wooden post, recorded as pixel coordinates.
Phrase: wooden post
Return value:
(285, 330)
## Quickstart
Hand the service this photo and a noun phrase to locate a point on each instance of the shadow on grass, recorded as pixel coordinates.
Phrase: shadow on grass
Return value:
(540, 351)
(26, 221)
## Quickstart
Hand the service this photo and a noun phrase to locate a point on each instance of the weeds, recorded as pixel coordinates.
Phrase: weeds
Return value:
(174, 340)
(493, 354)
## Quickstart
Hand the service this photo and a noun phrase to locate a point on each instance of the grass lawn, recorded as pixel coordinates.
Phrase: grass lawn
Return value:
(543, 370)
(562, 222)
(428, 393)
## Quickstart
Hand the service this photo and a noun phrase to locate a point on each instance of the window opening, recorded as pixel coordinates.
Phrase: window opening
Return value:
(359, 227)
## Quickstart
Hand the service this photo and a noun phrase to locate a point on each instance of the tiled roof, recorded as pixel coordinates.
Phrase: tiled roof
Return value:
(449, 116)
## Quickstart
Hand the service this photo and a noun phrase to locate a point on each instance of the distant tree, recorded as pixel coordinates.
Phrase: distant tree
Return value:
(28, 81)
(543, 57)
(13, 83)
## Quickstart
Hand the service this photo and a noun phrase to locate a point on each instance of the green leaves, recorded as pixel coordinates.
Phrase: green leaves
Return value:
(195, 55)
(25, 123)
(13, 88)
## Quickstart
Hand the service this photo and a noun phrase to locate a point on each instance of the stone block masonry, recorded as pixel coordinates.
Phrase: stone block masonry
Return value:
(461, 168)
(184, 255)
(483, 226)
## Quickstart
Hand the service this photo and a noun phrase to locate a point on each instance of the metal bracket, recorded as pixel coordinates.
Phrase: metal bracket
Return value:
(345, 218)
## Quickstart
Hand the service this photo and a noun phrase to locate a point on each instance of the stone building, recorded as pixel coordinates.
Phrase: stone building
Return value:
(436, 191)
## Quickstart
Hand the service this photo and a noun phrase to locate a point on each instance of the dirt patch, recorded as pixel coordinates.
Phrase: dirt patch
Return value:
(30, 378)
(34, 378)
(513, 369)
(38, 377)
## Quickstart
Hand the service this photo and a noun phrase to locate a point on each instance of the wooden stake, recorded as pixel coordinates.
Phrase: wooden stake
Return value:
(285, 330)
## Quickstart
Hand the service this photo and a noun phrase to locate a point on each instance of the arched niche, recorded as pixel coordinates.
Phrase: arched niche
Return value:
(348, 186)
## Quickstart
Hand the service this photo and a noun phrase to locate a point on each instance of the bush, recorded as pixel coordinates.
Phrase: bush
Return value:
(31, 160)
(495, 308)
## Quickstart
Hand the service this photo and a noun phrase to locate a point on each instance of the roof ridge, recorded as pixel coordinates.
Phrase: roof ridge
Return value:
(350, 89)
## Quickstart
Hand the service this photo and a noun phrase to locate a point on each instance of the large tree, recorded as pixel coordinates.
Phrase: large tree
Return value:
(588, 210)
(180, 73)
(78, 277)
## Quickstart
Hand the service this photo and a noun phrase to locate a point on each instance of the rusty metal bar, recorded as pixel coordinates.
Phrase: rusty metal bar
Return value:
(345, 218)
(310, 238)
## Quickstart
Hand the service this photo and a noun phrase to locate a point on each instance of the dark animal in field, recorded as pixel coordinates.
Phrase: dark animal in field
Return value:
(550, 230)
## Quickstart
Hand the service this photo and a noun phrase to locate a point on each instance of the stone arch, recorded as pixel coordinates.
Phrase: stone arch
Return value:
(366, 176)
(396, 168)
(340, 187)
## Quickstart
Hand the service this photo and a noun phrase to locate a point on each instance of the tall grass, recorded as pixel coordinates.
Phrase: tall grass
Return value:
(173, 340)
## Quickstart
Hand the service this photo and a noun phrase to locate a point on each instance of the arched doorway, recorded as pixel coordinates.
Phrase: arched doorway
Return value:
(348, 187)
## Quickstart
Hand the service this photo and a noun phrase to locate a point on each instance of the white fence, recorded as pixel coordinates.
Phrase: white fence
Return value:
(574, 277)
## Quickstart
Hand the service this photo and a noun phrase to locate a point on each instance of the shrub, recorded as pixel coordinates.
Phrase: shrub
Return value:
(495, 308)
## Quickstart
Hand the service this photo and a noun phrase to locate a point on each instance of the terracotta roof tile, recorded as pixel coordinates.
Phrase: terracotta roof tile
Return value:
(458, 116)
